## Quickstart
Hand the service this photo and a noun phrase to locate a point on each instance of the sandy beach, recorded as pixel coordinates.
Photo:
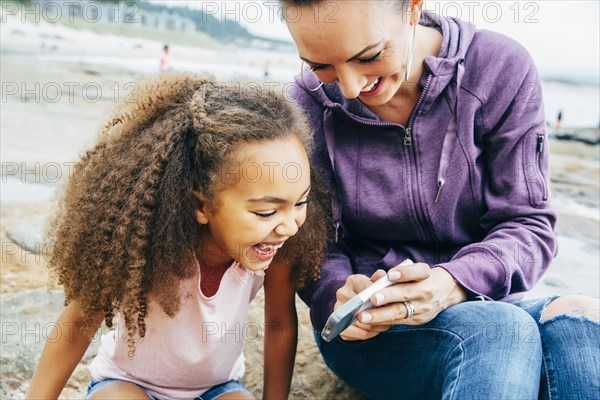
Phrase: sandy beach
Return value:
(58, 86)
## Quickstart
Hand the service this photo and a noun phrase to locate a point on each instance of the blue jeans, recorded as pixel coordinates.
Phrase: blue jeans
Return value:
(475, 350)
(211, 394)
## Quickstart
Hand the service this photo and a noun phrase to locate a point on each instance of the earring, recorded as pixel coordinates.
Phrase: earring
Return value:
(304, 83)
(411, 44)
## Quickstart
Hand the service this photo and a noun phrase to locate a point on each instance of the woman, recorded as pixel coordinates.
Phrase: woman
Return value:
(433, 138)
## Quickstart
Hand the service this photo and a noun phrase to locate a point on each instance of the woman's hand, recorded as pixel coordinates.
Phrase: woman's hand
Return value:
(357, 283)
(428, 290)
(354, 285)
(428, 297)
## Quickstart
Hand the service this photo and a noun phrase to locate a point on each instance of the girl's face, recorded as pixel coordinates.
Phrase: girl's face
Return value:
(359, 44)
(261, 206)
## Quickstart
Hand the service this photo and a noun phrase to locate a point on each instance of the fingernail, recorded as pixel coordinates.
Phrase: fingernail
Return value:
(393, 275)
(379, 298)
(365, 317)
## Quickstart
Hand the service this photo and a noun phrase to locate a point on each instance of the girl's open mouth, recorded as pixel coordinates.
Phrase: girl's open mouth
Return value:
(264, 251)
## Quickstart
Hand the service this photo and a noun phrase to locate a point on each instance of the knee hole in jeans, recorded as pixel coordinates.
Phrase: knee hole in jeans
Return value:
(574, 305)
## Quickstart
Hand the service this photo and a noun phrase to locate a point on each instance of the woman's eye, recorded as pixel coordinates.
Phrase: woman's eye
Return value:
(317, 67)
(370, 59)
(265, 215)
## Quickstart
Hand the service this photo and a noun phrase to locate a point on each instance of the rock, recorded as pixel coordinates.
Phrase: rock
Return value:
(312, 378)
(554, 280)
(27, 321)
(29, 316)
(29, 234)
(584, 135)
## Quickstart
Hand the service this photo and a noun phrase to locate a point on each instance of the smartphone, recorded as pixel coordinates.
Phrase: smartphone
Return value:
(344, 316)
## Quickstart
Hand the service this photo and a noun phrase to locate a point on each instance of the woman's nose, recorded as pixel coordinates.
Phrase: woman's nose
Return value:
(350, 82)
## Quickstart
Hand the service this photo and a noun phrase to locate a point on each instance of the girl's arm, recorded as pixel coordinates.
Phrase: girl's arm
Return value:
(61, 356)
(281, 331)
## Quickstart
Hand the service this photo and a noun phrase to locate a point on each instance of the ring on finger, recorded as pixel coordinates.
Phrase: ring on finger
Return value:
(410, 309)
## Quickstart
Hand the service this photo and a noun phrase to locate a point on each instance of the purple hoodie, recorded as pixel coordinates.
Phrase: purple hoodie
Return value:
(464, 186)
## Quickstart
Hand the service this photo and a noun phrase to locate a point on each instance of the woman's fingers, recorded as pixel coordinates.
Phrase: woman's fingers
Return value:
(409, 273)
(378, 274)
(355, 333)
(354, 285)
(360, 331)
(390, 314)
(372, 328)
(396, 293)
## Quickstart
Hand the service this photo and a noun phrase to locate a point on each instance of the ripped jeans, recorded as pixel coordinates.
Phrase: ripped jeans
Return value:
(475, 350)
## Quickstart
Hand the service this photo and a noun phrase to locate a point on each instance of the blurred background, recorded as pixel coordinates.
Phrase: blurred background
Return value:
(64, 64)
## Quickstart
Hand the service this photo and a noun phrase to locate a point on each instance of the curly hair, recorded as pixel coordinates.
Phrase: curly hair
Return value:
(125, 227)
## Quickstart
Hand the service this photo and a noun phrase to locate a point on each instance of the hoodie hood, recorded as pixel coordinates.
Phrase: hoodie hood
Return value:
(456, 38)
(437, 75)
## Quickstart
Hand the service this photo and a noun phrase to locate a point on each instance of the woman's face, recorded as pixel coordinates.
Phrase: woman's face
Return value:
(359, 44)
(262, 205)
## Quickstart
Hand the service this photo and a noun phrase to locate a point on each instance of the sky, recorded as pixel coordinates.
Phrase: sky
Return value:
(563, 37)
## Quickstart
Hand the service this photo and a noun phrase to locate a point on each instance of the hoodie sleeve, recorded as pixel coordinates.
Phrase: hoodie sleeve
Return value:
(520, 241)
(320, 295)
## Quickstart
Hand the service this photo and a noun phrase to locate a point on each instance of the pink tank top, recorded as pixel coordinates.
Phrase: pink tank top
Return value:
(184, 356)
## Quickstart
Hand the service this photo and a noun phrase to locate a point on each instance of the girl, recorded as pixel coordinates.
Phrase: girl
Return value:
(171, 220)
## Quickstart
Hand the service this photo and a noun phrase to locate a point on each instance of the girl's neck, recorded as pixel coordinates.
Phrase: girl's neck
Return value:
(210, 279)
(212, 268)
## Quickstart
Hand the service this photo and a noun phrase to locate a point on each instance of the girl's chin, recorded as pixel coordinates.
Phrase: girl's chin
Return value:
(256, 267)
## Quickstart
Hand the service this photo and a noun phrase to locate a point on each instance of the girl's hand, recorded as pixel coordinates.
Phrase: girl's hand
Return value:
(357, 283)
(429, 291)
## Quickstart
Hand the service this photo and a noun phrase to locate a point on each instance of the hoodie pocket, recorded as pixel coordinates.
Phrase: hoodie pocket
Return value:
(535, 167)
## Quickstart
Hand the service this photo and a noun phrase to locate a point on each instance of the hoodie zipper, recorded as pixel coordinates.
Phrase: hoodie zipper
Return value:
(412, 155)
(539, 150)
(417, 203)
(407, 137)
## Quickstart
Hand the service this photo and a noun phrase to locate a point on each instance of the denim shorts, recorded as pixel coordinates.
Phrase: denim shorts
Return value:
(210, 394)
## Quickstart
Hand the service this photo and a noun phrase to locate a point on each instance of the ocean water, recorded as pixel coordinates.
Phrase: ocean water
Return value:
(13, 190)
(579, 103)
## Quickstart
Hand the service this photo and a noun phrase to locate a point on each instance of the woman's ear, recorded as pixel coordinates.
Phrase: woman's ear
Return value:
(416, 6)
(202, 212)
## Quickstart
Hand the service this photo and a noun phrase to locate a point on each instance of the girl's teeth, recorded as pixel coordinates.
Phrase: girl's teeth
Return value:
(268, 247)
(371, 87)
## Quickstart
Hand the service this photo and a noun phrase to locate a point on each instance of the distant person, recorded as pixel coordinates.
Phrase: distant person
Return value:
(558, 119)
(157, 237)
(165, 60)
(267, 66)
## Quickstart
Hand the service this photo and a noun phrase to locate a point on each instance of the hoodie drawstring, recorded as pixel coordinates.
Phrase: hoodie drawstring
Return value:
(447, 149)
(451, 133)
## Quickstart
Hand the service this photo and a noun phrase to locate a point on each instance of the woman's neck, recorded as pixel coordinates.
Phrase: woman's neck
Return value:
(428, 42)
